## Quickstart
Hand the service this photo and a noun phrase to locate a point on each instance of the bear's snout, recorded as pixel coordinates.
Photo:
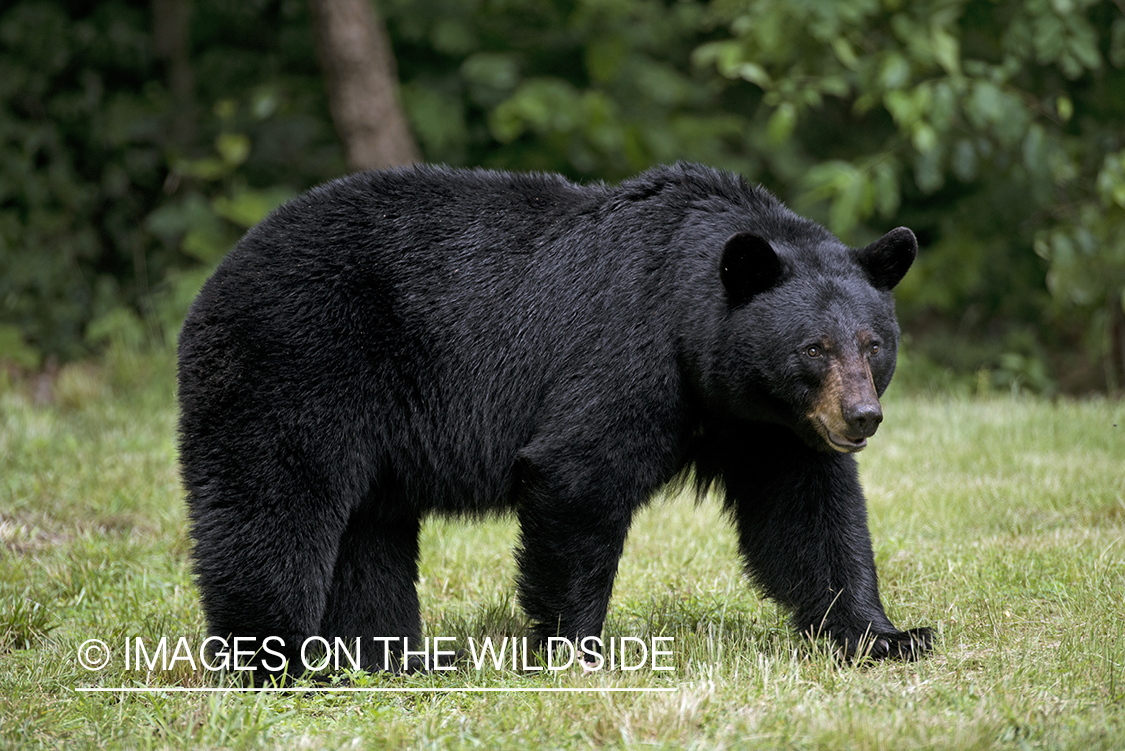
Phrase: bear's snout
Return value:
(863, 418)
(847, 411)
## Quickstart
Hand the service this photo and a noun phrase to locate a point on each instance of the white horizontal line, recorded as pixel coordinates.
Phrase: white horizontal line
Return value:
(357, 690)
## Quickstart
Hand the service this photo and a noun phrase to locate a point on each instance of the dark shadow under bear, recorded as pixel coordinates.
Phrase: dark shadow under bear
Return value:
(401, 343)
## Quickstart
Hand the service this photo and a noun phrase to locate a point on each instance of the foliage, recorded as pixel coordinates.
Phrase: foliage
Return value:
(991, 127)
(593, 89)
(983, 124)
(98, 185)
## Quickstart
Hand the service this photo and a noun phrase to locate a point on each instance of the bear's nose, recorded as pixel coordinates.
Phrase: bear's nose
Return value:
(863, 419)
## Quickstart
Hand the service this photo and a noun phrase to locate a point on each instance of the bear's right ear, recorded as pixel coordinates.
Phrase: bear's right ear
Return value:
(749, 266)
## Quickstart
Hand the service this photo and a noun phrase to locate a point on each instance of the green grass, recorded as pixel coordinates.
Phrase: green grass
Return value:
(999, 520)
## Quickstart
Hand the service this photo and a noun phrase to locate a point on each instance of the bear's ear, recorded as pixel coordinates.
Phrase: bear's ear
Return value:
(749, 266)
(887, 259)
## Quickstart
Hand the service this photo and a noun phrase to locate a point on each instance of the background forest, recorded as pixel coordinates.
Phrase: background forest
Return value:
(139, 139)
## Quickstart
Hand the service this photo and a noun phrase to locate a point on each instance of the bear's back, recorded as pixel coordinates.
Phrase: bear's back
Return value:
(441, 312)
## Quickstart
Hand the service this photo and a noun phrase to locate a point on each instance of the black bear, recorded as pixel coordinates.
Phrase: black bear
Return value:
(436, 341)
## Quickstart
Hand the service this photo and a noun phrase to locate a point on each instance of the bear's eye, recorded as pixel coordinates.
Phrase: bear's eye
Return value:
(812, 351)
(873, 348)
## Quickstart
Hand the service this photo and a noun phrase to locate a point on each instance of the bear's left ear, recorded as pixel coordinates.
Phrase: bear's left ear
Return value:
(887, 259)
(749, 266)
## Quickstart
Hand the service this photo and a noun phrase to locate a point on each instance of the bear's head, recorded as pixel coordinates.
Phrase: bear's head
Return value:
(810, 338)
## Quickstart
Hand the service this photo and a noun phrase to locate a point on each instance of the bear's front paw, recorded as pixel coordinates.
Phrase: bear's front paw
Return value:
(898, 645)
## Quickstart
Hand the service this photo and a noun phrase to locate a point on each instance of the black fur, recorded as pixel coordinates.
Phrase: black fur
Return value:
(400, 343)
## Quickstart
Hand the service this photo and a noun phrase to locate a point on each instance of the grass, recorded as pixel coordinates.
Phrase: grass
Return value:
(999, 520)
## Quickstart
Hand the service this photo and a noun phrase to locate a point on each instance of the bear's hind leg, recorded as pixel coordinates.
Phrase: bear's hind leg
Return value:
(261, 574)
(373, 596)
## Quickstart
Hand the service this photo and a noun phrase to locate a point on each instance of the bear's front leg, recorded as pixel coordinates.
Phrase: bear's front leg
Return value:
(802, 526)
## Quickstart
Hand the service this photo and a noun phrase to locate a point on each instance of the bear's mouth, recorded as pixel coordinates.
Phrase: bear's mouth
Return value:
(844, 443)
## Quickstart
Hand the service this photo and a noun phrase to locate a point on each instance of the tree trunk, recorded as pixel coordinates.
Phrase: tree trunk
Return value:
(362, 83)
(171, 31)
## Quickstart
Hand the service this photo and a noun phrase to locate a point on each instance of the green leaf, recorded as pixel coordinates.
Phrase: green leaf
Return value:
(1082, 42)
(246, 207)
(755, 74)
(947, 50)
(927, 171)
(985, 105)
(964, 160)
(894, 73)
(1065, 107)
(208, 168)
(781, 123)
(1035, 150)
(848, 206)
(172, 220)
(233, 148)
(543, 105)
(726, 56)
(845, 53)
(924, 137)
(438, 120)
(265, 102)
(1111, 179)
(885, 184)
(494, 70)
(454, 36)
(192, 225)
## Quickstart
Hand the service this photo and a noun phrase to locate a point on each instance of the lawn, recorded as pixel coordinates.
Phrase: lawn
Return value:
(999, 520)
